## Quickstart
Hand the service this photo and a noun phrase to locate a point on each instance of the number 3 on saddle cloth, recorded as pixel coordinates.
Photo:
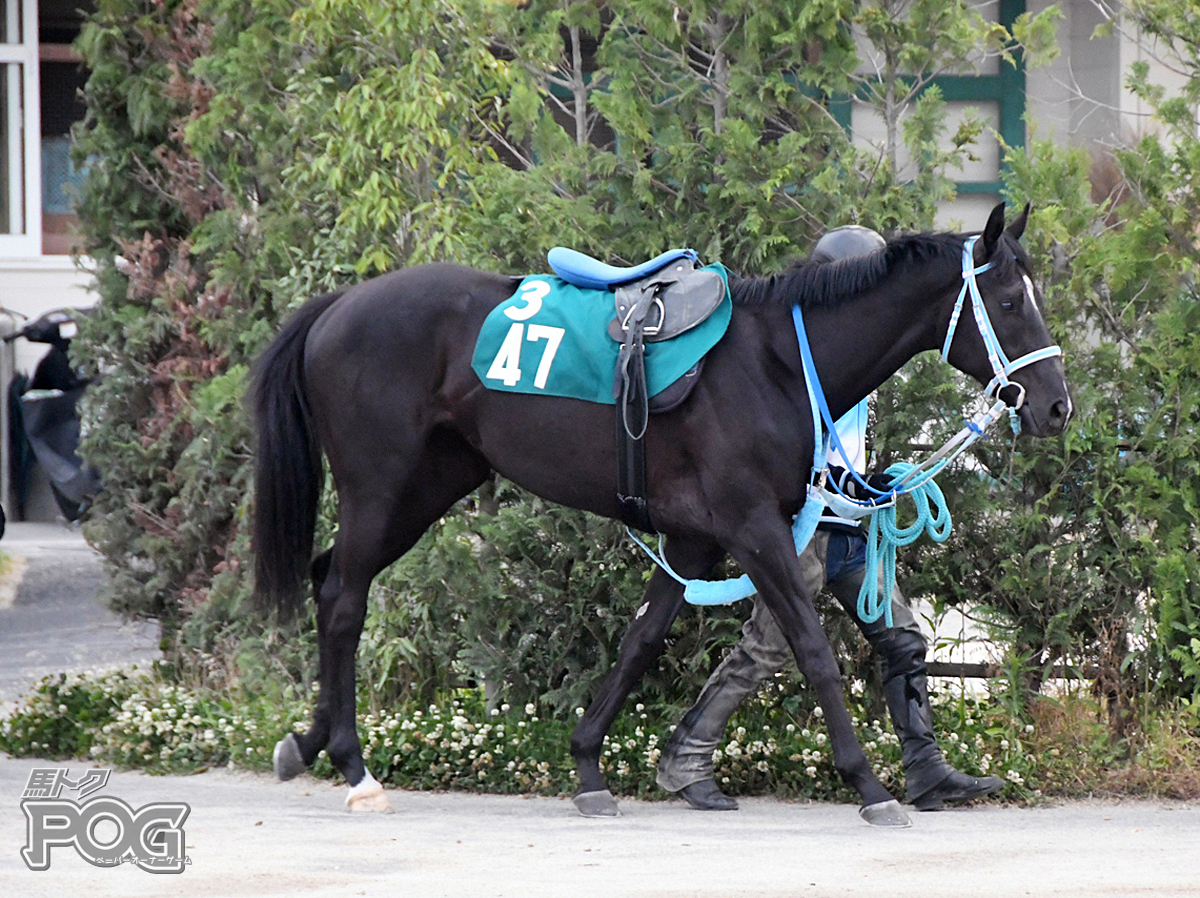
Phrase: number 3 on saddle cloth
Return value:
(631, 337)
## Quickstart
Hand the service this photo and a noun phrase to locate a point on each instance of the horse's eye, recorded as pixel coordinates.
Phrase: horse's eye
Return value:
(1007, 306)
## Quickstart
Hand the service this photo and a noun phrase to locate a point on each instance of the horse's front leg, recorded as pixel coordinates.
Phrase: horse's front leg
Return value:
(640, 647)
(766, 551)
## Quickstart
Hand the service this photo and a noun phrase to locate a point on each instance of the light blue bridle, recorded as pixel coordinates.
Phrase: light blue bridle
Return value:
(1001, 366)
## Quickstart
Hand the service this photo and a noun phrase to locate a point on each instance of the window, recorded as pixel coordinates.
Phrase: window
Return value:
(20, 133)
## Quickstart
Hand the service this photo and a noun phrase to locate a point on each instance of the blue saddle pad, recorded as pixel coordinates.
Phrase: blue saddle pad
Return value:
(550, 338)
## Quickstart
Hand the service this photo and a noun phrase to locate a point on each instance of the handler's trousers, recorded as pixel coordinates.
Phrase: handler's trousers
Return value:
(833, 559)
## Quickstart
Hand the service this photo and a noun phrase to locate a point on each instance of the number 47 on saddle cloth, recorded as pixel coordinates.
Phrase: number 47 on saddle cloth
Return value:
(551, 338)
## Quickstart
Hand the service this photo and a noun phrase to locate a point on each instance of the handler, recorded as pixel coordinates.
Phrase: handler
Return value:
(836, 557)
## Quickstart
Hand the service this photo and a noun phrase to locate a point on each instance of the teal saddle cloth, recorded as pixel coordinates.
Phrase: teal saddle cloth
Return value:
(550, 338)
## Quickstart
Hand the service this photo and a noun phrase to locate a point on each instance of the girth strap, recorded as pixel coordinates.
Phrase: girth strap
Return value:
(633, 416)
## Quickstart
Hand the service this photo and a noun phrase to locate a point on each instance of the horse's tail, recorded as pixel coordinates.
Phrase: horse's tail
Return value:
(288, 471)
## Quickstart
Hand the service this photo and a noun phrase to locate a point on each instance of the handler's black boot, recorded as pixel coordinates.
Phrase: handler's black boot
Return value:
(686, 766)
(930, 781)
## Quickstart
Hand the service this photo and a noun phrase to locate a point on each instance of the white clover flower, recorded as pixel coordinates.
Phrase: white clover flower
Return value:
(1004, 744)
(639, 707)
(529, 708)
(822, 738)
(810, 770)
(1029, 728)
(505, 706)
(817, 712)
(791, 728)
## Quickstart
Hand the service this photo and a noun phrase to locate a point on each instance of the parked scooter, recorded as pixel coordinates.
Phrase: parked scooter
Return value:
(44, 419)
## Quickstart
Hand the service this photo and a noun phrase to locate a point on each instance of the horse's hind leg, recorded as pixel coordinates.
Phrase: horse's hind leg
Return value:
(640, 648)
(296, 751)
(376, 527)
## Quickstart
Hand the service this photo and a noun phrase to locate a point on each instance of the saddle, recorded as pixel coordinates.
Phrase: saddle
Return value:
(654, 301)
(677, 297)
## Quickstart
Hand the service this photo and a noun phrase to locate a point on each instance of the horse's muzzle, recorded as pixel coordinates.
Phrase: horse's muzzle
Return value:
(1046, 422)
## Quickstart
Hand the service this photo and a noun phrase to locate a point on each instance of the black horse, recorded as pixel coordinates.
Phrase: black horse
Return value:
(378, 377)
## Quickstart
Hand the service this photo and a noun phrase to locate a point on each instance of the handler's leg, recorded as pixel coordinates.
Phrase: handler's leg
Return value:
(686, 765)
(930, 780)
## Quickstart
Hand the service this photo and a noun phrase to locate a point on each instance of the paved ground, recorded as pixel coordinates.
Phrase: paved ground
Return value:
(54, 623)
(249, 836)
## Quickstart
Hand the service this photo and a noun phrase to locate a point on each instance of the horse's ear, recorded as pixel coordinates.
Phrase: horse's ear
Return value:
(993, 230)
(1017, 227)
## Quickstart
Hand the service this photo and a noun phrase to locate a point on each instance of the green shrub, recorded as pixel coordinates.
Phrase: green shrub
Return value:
(776, 743)
(60, 717)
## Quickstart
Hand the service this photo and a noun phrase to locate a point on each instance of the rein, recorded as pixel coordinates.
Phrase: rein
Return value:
(933, 515)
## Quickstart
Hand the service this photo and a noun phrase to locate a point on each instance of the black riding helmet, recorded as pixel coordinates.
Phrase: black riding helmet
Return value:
(846, 242)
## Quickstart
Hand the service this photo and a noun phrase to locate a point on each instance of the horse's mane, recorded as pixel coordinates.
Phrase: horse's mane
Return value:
(828, 284)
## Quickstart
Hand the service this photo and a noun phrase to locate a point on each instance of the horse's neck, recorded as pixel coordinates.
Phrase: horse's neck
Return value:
(861, 343)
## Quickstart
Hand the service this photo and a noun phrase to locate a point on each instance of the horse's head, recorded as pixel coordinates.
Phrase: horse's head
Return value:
(997, 334)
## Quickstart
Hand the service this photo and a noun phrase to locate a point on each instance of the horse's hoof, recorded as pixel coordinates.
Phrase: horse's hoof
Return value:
(597, 804)
(369, 797)
(885, 813)
(288, 762)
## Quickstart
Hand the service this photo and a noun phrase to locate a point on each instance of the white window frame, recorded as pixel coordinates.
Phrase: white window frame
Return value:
(24, 143)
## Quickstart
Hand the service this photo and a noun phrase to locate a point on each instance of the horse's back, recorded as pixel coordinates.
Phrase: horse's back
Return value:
(410, 301)
(393, 347)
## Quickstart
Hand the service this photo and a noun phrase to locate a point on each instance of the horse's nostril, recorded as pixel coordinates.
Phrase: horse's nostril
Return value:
(1060, 412)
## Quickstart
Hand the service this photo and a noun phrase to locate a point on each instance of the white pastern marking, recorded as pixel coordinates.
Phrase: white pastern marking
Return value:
(368, 785)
